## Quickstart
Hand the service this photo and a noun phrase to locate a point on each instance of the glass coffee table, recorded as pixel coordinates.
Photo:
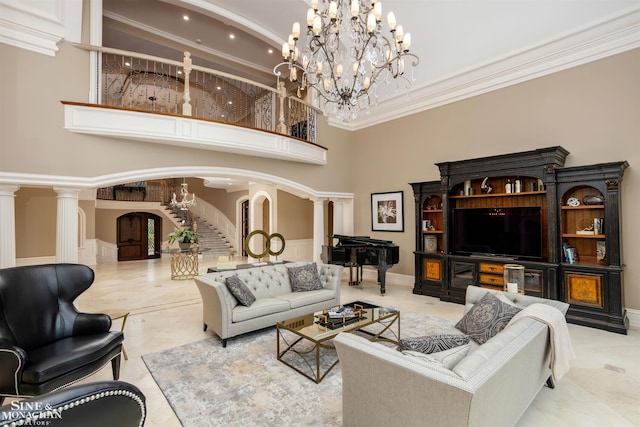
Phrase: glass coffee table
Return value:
(304, 343)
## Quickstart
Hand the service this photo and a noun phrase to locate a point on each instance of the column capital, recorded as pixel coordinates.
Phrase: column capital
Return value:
(8, 189)
(67, 192)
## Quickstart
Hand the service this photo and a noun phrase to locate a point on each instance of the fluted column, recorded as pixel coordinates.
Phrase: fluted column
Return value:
(338, 216)
(8, 225)
(67, 225)
(318, 229)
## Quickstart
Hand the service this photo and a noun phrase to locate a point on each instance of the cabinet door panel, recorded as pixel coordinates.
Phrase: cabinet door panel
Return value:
(433, 270)
(584, 289)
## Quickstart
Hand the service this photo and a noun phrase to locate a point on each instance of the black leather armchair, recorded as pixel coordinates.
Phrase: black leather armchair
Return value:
(45, 343)
(99, 404)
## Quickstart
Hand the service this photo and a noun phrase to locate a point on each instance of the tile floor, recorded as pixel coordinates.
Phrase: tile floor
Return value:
(602, 388)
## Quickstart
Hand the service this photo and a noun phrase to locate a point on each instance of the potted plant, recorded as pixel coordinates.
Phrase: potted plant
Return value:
(186, 237)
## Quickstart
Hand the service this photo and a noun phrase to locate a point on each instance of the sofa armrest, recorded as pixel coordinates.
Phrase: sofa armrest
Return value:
(381, 386)
(331, 276)
(217, 304)
(475, 293)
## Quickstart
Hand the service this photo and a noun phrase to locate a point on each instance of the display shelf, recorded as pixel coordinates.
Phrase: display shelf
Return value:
(592, 285)
(581, 207)
(477, 196)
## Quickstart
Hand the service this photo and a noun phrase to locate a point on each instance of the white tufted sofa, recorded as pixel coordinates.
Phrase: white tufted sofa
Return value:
(275, 301)
(492, 386)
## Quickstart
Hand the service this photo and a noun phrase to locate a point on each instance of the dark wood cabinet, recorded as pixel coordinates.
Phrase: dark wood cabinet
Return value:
(580, 210)
(589, 223)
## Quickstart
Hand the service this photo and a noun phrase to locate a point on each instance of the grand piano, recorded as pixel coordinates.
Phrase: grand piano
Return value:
(356, 251)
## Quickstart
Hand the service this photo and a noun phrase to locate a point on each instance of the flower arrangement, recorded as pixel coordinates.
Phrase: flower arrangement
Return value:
(184, 235)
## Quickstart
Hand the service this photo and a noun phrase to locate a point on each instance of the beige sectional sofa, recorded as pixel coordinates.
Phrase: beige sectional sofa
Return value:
(493, 385)
(275, 299)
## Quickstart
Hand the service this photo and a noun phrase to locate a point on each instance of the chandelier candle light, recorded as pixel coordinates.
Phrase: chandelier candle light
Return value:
(345, 55)
(184, 203)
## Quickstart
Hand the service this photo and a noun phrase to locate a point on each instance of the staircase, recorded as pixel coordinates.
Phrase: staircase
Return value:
(210, 236)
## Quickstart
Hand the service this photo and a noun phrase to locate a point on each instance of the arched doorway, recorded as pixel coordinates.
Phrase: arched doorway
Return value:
(138, 236)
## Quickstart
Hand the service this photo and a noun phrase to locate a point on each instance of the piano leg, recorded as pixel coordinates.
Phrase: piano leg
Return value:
(382, 276)
(358, 269)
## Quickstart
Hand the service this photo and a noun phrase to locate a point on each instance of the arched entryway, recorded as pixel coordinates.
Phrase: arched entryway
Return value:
(138, 236)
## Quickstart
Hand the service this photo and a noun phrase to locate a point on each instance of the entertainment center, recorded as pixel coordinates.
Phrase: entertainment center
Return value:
(561, 224)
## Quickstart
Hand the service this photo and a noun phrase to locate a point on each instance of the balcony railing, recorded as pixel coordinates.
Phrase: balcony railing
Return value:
(148, 83)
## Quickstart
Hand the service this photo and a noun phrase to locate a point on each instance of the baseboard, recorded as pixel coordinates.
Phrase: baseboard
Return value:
(371, 273)
(634, 317)
(35, 260)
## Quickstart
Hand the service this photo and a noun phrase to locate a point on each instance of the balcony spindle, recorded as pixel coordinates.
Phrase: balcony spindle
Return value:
(186, 106)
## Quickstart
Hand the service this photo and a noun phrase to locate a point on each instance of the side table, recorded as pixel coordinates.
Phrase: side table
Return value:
(115, 315)
(184, 262)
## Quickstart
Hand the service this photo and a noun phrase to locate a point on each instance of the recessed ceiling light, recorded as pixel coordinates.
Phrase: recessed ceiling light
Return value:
(232, 36)
(270, 50)
(185, 17)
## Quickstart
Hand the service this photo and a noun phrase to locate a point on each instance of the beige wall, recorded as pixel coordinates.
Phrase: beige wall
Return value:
(295, 216)
(35, 222)
(221, 199)
(593, 111)
(89, 208)
(590, 110)
(46, 148)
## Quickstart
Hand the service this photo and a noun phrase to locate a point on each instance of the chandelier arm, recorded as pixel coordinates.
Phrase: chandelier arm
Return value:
(336, 36)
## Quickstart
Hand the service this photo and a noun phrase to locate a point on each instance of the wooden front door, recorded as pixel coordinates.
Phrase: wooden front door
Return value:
(138, 236)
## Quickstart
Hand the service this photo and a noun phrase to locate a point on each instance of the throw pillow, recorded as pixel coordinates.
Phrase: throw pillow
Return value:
(448, 358)
(433, 343)
(486, 318)
(305, 278)
(239, 290)
(502, 297)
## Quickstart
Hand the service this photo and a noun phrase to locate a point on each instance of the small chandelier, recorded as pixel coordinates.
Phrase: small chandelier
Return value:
(184, 203)
(345, 55)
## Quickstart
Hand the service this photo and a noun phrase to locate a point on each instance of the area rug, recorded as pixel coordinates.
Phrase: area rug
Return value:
(245, 385)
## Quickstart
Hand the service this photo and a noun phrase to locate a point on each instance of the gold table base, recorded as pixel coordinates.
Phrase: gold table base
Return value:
(184, 265)
(295, 327)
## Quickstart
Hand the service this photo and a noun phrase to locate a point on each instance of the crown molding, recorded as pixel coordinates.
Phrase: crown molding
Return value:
(609, 37)
(40, 26)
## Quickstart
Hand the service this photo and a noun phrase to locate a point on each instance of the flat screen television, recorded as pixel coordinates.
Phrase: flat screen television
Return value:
(512, 232)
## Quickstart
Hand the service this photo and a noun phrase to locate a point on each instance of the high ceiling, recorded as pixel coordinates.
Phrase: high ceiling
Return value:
(466, 47)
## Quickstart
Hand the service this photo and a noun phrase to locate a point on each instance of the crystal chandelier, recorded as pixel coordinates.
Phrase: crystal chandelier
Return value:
(345, 55)
(184, 203)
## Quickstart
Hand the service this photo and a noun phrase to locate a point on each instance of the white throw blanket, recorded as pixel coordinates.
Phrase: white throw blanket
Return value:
(561, 348)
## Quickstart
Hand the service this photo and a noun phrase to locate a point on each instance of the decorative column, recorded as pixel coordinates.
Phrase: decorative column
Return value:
(67, 225)
(318, 229)
(8, 225)
(338, 217)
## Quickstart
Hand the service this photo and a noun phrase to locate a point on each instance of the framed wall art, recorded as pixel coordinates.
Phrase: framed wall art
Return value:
(387, 211)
